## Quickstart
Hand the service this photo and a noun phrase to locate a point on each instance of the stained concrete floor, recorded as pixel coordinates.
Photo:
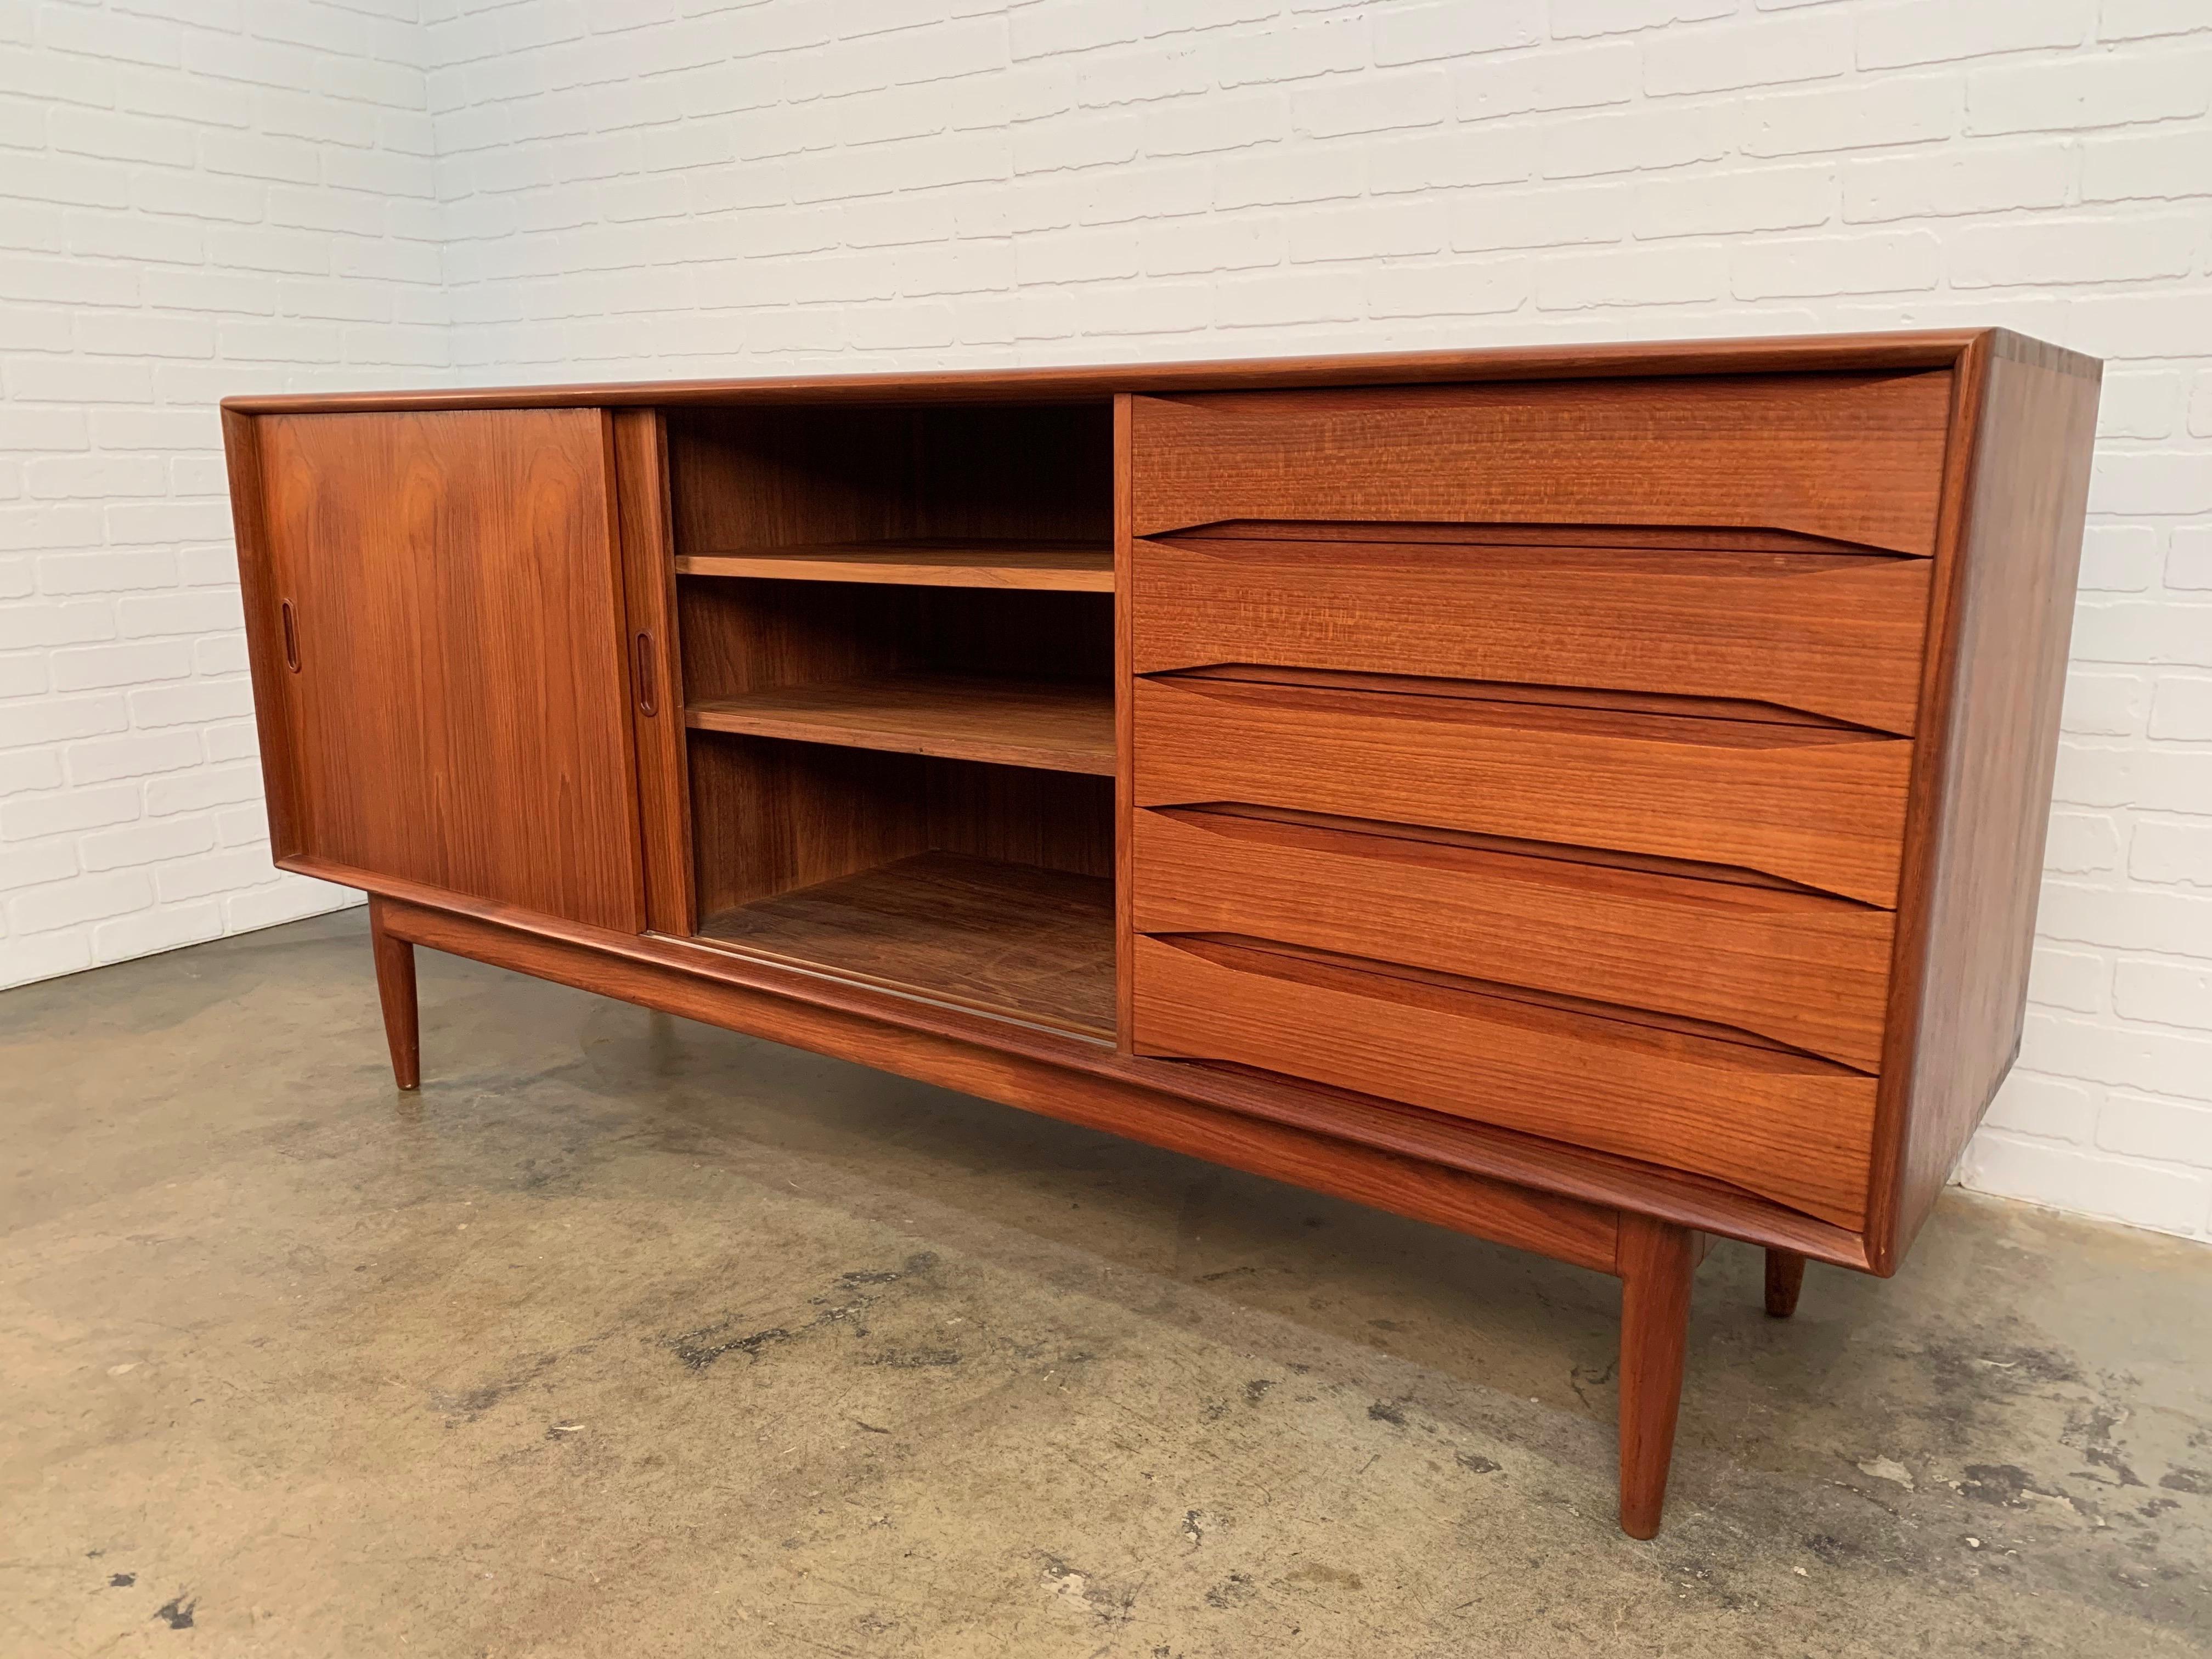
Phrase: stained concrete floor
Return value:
(628, 1337)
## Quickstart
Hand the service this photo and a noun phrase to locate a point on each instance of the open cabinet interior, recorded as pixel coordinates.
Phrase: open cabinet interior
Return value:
(895, 628)
(972, 495)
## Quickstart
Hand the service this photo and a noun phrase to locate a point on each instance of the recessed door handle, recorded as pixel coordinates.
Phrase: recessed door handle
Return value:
(291, 636)
(647, 705)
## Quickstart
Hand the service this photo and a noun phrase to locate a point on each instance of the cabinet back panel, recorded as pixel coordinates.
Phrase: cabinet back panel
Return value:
(789, 477)
(743, 634)
(769, 815)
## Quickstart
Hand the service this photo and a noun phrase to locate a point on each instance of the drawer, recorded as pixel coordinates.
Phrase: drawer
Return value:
(1851, 458)
(1791, 1128)
(1799, 969)
(1833, 634)
(1820, 806)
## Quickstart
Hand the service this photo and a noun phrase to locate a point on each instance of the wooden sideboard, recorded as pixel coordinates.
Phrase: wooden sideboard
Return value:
(1587, 798)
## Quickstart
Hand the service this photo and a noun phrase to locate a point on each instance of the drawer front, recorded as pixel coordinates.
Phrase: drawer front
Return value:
(1832, 635)
(1793, 1129)
(1816, 805)
(1851, 458)
(1797, 967)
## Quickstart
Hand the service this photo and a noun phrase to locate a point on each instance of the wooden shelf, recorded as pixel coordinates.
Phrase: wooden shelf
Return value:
(1008, 938)
(1061, 567)
(1058, 725)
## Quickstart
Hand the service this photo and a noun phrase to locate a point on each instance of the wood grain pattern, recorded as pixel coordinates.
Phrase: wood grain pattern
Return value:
(264, 645)
(756, 478)
(1034, 1070)
(1807, 970)
(461, 712)
(1610, 857)
(1657, 1264)
(1055, 820)
(1976, 860)
(1496, 691)
(1006, 938)
(1521, 785)
(768, 816)
(1819, 806)
(773, 816)
(1061, 726)
(1888, 350)
(1057, 567)
(743, 634)
(1835, 634)
(1791, 1128)
(1629, 537)
(656, 672)
(1856, 458)
(1003, 1057)
(395, 994)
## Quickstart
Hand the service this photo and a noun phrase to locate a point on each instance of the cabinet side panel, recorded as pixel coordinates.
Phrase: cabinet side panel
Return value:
(258, 585)
(459, 712)
(2011, 618)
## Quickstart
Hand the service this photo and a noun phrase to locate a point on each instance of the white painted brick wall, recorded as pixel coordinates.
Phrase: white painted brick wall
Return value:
(665, 187)
(196, 197)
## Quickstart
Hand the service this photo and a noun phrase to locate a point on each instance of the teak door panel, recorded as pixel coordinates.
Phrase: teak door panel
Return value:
(1817, 806)
(1839, 635)
(1801, 968)
(1793, 1129)
(459, 712)
(1853, 458)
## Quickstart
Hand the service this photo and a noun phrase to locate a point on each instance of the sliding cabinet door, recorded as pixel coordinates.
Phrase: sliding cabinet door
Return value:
(443, 618)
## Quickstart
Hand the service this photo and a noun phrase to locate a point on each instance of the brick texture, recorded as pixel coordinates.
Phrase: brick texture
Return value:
(303, 194)
(194, 201)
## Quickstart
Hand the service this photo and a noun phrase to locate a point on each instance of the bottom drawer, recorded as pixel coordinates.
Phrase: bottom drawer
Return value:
(1801, 968)
(1788, 1128)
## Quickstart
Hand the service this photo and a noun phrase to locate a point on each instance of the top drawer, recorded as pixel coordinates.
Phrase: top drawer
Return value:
(1851, 458)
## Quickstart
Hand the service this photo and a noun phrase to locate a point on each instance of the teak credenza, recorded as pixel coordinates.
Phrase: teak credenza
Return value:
(1586, 797)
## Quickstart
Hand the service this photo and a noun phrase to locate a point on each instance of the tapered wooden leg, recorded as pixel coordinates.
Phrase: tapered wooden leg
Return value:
(395, 988)
(1656, 1262)
(1785, 1277)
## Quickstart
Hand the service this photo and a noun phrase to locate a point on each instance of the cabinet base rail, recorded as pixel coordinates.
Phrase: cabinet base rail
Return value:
(1654, 1259)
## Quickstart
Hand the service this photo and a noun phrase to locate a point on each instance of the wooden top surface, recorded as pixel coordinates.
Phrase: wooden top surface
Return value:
(1781, 354)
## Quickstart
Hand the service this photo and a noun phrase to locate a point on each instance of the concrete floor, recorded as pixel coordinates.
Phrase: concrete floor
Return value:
(629, 1337)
